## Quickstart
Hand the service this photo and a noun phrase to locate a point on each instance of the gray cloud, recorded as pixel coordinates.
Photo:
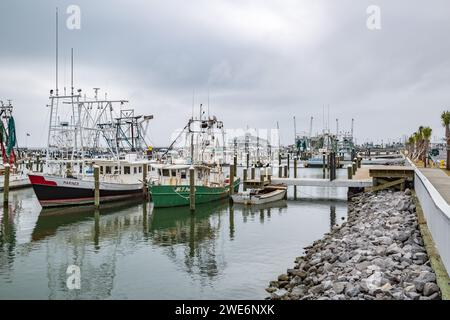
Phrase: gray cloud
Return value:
(260, 62)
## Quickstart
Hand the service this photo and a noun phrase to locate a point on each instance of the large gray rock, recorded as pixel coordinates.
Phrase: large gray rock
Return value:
(299, 290)
(393, 249)
(316, 289)
(420, 257)
(339, 287)
(279, 294)
(429, 288)
(283, 277)
(422, 279)
(351, 290)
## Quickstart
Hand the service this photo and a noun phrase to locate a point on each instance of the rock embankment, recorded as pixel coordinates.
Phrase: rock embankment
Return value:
(377, 254)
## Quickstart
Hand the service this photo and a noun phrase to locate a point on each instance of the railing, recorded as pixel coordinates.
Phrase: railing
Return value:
(437, 213)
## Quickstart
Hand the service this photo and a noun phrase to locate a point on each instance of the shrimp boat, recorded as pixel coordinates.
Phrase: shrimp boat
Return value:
(18, 171)
(266, 194)
(171, 188)
(90, 133)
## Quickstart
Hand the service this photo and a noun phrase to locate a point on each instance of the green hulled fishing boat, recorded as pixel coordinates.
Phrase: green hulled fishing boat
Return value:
(172, 189)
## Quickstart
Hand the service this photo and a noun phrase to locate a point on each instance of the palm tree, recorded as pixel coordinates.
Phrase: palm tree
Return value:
(410, 145)
(415, 137)
(445, 117)
(426, 135)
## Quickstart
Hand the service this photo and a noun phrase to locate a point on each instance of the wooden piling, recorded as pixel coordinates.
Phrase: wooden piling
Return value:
(245, 179)
(323, 166)
(6, 184)
(235, 162)
(96, 186)
(279, 166)
(295, 176)
(359, 161)
(253, 173)
(285, 171)
(288, 165)
(354, 167)
(232, 168)
(144, 180)
(192, 189)
(349, 172)
(248, 160)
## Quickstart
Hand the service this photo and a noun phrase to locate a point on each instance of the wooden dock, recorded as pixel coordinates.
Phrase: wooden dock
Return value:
(316, 182)
(384, 177)
(367, 178)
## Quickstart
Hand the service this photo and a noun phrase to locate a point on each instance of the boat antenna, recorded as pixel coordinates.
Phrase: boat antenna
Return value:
(295, 133)
(328, 121)
(193, 101)
(56, 58)
(208, 102)
(71, 70)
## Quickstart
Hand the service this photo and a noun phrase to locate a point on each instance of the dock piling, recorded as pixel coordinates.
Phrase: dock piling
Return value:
(252, 171)
(192, 189)
(6, 185)
(232, 168)
(349, 172)
(96, 186)
(245, 179)
(144, 180)
(279, 166)
(355, 166)
(323, 166)
(288, 165)
(295, 176)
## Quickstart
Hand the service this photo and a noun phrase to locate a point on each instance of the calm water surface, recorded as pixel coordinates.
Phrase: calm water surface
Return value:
(133, 251)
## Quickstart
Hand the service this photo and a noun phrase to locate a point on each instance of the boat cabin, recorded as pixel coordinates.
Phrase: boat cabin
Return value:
(178, 174)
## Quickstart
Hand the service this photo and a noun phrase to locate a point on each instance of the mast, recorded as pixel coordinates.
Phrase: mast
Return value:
(295, 133)
(56, 57)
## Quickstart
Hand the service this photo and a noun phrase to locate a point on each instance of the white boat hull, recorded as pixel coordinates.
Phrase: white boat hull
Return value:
(276, 195)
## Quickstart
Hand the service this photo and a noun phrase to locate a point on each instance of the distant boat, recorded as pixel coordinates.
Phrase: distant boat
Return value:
(267, 194)
(384, 161)
(317, 162)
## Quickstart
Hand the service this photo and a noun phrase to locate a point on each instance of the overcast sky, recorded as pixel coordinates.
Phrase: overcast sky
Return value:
(261, 61)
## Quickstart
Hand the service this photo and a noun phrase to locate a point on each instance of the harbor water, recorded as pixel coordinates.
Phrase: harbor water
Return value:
(132, 251)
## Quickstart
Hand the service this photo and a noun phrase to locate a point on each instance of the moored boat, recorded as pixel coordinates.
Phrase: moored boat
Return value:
(62, 190)
(267, 194)
(8, 142)
(113, 142)
(172, 187)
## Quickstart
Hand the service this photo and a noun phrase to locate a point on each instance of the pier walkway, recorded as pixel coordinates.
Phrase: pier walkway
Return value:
(440, 180)
(312, 182)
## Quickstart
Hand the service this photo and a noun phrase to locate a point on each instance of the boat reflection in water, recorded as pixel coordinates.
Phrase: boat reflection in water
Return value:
(132, 250)
(50, 219)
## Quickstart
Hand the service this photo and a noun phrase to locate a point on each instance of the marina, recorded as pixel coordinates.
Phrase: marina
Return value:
(158, 158)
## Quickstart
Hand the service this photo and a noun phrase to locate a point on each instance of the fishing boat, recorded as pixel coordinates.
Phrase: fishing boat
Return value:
(267, 194)
(18, 171)
(92, 134)
(172, 186)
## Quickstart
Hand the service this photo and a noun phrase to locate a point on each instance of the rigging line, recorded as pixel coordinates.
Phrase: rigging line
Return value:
(172, 144)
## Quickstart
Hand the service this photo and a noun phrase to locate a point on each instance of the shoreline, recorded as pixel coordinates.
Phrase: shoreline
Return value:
(377, 254)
